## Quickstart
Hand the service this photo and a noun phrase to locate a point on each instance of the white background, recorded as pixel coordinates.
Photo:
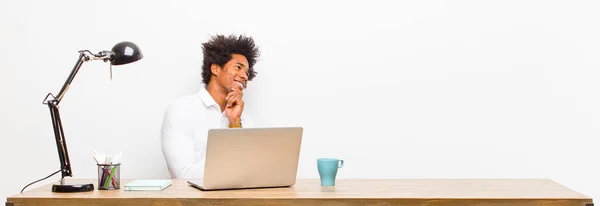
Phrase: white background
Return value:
(410, 89)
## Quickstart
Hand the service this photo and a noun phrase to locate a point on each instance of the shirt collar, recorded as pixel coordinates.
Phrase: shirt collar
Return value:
(205, 97)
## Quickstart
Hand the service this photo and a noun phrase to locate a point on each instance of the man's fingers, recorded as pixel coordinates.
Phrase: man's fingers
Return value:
(228, 96)
(234, 91)
(232, 99)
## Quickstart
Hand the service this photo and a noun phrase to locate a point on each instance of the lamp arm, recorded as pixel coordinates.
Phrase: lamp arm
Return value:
(61, 143)
(67, 84)
(84, 55)
(59, 135)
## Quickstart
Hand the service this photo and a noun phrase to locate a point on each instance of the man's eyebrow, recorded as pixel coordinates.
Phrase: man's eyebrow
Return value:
(241, 64)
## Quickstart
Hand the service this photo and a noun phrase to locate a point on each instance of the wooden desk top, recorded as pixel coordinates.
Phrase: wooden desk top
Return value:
(346, 192)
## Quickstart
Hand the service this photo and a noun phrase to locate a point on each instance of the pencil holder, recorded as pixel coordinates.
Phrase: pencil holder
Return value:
(109, 176)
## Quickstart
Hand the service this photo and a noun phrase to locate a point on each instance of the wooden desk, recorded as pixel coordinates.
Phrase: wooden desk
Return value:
(406, 192)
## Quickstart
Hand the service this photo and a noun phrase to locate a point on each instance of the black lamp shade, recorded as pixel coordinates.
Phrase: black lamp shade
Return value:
(125, 53)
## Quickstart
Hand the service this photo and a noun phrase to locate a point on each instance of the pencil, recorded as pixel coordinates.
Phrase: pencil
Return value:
(110, 177)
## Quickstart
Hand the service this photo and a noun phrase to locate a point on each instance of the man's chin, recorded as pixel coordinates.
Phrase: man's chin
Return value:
(240, 86)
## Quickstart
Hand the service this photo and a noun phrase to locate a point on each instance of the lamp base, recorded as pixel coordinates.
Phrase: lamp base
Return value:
(73, 188)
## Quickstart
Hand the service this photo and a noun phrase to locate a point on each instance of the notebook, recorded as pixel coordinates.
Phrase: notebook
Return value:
(144, 185)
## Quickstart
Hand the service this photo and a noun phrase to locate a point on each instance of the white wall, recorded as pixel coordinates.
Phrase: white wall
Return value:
(411, 89)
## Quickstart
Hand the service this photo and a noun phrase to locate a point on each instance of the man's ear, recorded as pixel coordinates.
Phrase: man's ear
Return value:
(215, 69)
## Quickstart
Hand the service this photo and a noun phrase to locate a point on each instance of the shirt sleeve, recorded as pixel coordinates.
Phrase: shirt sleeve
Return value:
(178, 147)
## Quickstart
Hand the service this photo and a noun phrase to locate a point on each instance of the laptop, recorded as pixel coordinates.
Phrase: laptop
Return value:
(250, 158)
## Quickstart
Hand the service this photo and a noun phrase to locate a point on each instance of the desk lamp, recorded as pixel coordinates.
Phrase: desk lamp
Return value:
(121, 53)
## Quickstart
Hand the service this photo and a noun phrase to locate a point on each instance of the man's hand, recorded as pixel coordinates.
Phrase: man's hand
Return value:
(234, 106)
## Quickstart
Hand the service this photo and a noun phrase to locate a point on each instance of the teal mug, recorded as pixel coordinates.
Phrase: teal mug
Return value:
(328, 168)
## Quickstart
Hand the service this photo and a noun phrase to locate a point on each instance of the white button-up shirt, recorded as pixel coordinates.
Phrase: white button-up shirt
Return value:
(184, 133)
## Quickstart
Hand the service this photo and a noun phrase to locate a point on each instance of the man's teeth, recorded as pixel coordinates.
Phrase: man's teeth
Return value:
(241, 85)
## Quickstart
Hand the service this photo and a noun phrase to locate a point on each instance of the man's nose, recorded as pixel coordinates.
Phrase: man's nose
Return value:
(244, 75)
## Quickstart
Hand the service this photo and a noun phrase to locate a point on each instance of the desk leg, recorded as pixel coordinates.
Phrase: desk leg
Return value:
(586, 204)
(13, 204)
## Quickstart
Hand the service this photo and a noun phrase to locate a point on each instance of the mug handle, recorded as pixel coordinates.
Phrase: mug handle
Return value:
(341, 163)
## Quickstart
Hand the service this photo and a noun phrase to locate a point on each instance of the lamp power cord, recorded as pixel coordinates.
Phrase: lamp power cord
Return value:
(39, 180)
